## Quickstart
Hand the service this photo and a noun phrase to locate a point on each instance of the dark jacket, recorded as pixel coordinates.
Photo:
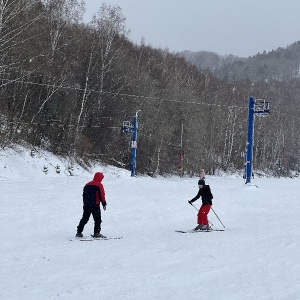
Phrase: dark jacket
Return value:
(206, 195)
(93, 192)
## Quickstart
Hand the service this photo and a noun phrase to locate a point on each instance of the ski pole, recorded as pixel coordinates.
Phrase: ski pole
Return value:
(197, 210)
(217, 217)
(194, 206)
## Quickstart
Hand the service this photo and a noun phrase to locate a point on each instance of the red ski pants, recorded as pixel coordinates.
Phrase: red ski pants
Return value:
(202, 214)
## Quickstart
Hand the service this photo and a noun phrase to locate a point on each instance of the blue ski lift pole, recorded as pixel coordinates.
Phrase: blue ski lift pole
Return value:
(132, 127)
(250, 140)
(260, 108)
(134, 144)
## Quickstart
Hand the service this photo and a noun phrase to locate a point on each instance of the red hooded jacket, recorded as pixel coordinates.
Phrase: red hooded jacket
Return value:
(93, 191)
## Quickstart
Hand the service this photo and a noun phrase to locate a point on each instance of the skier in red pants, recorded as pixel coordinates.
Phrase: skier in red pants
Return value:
(205, 193)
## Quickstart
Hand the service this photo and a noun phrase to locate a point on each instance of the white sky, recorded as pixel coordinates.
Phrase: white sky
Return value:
(237, 27)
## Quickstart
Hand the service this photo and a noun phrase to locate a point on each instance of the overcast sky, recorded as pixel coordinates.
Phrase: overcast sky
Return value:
(238, 27)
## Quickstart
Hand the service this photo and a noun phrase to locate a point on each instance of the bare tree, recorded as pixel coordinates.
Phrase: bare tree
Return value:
(110, 31)
(61, 14)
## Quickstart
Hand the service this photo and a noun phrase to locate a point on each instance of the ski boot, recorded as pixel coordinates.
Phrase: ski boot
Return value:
(201, 227)
(98, 236)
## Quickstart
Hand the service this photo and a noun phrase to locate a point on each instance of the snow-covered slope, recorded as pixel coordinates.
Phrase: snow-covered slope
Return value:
(257, 257)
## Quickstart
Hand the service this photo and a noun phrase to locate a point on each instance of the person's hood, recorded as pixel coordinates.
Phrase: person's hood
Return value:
(98, 176)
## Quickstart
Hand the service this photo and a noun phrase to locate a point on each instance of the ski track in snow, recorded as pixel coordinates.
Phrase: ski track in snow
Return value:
(257, 257)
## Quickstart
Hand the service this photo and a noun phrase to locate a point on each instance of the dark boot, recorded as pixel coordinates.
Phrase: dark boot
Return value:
(205, 227)
(79, 234)
(199, 227)
(99, 235)
(202, 227)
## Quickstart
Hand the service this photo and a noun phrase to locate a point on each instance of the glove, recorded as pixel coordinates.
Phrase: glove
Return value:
(104, 205)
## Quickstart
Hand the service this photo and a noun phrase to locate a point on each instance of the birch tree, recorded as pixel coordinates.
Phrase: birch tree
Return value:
(16, 22)
(61, 14)
(110, 30)
(104, 52)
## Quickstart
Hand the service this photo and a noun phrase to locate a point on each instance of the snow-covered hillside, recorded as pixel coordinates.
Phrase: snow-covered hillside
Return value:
(256, 257)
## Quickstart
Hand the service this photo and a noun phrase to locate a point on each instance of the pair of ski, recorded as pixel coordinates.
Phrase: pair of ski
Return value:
(197, 231)
(92, 238)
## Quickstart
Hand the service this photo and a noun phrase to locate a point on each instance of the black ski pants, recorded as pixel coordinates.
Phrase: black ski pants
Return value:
(87, 211)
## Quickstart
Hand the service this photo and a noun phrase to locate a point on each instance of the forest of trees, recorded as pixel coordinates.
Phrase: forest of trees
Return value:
(67, 87)
(282, 64)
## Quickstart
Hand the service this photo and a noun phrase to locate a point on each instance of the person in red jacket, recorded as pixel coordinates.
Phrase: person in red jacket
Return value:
(93, 195)
(205, 193)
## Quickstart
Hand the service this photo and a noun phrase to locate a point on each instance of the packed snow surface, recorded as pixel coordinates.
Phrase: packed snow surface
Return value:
(256, 257)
